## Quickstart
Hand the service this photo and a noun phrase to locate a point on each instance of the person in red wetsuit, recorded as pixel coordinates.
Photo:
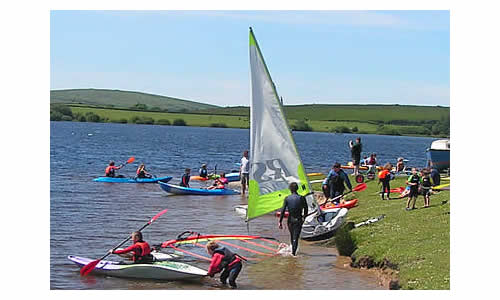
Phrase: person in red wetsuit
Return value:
(226, 261)
(141, 252)
(110, 169)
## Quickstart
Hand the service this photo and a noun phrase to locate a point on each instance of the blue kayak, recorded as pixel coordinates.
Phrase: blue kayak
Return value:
(179, 190)
(231, 177)
(133, 180)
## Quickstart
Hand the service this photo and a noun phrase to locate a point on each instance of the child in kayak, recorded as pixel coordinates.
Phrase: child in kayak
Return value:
(426, 187)
(185, 178)
(110, 169)
(141, 252)
(414, 182)
(203, 171)
(226, 261)
(142, 173)
(219, 183)
(384, 177)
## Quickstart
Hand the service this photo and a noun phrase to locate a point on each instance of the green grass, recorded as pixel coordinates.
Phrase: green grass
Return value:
(417, 241)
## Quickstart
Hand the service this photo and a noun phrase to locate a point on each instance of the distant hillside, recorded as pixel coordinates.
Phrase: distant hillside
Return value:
(125, 99)
(334, 112)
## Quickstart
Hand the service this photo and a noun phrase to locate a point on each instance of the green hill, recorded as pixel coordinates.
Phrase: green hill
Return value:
(124, 99)
(397, 114)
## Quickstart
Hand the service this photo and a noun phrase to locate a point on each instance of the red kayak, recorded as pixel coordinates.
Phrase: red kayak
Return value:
(329, 205)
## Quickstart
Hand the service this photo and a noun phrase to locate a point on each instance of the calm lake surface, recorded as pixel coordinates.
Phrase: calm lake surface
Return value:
(87, 218)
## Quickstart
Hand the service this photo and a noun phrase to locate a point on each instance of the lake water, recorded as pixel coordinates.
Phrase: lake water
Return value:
(88, 218)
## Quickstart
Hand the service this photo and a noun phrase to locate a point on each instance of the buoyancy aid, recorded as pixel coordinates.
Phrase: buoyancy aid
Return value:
(414, 179)
(229, 256)
(145, 251)
(110, 171)
(426, 182)
(203, 172)
(383, 174)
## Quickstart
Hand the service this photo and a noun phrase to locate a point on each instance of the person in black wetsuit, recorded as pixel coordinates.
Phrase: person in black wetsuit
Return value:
(203, 171)
(426, 187)
(297, 212)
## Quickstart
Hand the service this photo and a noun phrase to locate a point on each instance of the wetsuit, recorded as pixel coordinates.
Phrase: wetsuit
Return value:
(337, 180)
(426, 185)
(228, 262)
(141, 252)
(385, 177)
(326, 187)
(356, 153)
(414, 188)
(185, 180)
(436, 180)
(297, 211)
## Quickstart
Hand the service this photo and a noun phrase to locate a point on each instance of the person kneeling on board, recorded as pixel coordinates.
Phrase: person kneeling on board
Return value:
(226, 261)
(141, 252)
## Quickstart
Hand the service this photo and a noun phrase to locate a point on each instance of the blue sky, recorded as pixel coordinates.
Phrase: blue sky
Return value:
(333, 57)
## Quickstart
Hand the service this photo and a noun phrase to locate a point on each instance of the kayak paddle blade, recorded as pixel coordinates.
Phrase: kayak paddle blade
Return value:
(359, 187)
(89, 267)
(130, 160)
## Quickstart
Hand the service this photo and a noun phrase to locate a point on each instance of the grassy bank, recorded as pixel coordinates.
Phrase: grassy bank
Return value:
(113, 115)
(417, 242)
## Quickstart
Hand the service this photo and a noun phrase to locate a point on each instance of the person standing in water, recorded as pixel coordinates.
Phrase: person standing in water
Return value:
(244, 172)
(356, 149)
(297, 212)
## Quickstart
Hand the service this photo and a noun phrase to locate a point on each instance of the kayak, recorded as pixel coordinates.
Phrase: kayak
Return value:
(163, 270)
(179, 190)
(133, 180)
(398, 190)
(326, 206)
(345, 204)
(231, 177)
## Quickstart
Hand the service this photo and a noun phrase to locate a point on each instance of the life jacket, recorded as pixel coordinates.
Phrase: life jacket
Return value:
(229, 256)
(383, 174)
(426, 182)
(203, 172)
(185, 180)
(110, 171)
(414, 179)
(371, 161)
(337, 182)
(145, 252)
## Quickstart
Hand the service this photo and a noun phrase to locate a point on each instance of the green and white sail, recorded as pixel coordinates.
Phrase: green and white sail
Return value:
(274, 159)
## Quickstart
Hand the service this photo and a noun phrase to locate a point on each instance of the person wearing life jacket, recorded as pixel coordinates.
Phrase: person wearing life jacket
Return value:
(337, 178)
(384, 177)
(203, 171)
(224, 260)
(414, 182)
(219, 183)
(185, 178)
(426, 187)
(142, 173)
(141, 252)
(400, 166)
(110, 169)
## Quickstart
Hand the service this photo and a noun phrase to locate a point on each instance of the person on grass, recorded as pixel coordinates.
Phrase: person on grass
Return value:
(224, 260)
(141, 252)
(414, 183)
(426, 187)
(297, 212)
(337, 179)
(384, 177)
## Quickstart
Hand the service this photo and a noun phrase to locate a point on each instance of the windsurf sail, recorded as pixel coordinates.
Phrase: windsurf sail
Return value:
(274, 159)
(249, 247)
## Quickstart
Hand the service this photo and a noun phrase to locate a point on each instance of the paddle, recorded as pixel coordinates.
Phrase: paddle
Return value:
(129, 161)
(360, 187)
(91, 265)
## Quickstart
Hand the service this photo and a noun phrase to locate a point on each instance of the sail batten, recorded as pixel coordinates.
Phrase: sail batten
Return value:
(274, 159)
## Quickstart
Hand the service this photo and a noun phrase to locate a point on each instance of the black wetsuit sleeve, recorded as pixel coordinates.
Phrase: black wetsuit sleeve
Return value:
(304, 203)
(283, 209)
(347, 181)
